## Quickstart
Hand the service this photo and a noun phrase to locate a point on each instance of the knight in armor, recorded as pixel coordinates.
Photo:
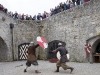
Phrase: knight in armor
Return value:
(62, 62)
(32, 57)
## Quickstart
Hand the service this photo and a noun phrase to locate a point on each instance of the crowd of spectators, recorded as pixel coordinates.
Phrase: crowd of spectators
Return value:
(59, 8)
(2, 8)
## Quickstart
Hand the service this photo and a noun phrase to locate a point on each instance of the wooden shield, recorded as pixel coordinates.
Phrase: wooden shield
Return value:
(42, 42)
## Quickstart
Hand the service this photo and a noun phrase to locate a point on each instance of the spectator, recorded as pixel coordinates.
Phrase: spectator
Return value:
(20, 16)
(52, 11)
(75, 4)
(78, 2)
(44, 15)
(39, 16)
(27, 18)
(81, 1)
(23, 16)
(61, 7)
(34, 17)
(58, 9)
(16, 15)
(71, 4)
(30, 17)
(65, 6)
(67, 3)
(47, 15)
(11, 14)
(55, 10)
(87, 0)
(1, 7)
(5, 10)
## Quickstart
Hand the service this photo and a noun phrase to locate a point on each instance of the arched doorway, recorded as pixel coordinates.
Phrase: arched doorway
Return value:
(96, 51)
(3, 50)
(98, 48)
(52, 46)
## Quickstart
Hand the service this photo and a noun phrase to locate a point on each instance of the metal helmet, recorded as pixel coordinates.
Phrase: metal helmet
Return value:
(59, 44)
(31, 43)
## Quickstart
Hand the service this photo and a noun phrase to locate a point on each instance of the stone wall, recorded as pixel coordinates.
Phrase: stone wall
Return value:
(6, 37)
(73, 26)
(25, 32)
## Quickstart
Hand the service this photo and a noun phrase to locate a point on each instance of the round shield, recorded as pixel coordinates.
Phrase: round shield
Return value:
(58, 55)
(42, 42)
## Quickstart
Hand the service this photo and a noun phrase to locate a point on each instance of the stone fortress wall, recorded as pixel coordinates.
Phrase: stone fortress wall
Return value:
(73, 26)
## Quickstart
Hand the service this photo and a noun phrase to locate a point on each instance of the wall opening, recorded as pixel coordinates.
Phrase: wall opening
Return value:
(3, 50)
(52, 46)
(96, 51)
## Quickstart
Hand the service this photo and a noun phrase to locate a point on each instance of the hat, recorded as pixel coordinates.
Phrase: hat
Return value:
(59, 43)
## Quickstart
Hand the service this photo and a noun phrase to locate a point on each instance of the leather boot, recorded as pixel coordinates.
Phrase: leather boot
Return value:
(57, 69)
(71, 69)
(25, 70)
(36, 71)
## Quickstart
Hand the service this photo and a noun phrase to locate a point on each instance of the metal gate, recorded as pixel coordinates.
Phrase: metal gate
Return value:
(22, 51)
(52, 46)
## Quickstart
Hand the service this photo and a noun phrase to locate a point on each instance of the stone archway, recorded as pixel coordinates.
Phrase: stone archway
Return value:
(3, 50)
(95, 53)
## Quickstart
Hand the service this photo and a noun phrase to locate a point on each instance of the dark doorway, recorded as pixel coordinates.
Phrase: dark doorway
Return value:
(96, 51)
(97, 54)
(3, 50)
(52, 46)
(98, 48)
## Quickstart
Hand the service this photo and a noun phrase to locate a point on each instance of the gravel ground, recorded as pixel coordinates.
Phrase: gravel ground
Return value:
(48, 68)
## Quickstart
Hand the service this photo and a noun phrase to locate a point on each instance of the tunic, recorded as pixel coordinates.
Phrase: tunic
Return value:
(63, 53)
(31, 53)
